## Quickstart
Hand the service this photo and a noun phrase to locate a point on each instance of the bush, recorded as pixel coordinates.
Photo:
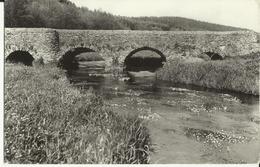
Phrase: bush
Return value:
(47, 120)
(238, 74)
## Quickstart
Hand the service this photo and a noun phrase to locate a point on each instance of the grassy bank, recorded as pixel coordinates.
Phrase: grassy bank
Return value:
(47, 120)
(236, 74)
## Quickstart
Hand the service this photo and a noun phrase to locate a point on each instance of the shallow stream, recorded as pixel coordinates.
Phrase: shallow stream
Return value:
(187, 124)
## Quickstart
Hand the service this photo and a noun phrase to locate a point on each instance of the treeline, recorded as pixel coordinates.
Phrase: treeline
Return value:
(63, 14)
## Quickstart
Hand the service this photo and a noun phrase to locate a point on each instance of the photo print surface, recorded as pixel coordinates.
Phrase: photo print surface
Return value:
(131, 82)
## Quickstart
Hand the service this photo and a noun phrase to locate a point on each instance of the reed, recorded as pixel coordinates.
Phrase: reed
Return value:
(48, 121)
(239, 74)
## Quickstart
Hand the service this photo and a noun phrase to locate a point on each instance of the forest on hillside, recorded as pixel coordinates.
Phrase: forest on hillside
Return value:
(63, 14)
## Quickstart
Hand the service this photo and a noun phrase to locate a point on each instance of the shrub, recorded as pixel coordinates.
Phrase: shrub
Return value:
(238, 74)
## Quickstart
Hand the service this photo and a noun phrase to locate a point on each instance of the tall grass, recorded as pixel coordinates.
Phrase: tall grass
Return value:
(235, 74)
(47, 120)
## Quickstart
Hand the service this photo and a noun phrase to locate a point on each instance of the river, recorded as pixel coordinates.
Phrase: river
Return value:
(187, 124)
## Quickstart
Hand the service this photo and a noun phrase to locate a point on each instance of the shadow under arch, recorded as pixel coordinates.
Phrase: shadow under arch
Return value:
(214, 56)
(151, 60)
(19, 56)
(69, 60)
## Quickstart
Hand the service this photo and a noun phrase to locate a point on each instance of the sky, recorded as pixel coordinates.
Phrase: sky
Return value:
(239, 13)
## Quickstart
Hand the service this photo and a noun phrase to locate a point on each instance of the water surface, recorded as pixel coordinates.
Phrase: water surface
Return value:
(187, 124)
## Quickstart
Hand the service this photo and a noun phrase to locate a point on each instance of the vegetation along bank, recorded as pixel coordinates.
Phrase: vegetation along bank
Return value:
(239, 74)
(47, 120)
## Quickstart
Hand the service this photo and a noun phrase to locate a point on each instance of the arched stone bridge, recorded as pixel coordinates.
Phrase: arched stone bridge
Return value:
(51, 44)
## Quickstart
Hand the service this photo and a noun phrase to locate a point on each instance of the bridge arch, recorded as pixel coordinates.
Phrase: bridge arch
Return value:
(20, 56)
(71, 58)
(144, 59)
(214, 56)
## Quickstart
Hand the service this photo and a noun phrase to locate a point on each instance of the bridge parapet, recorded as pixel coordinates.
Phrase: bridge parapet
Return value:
(51, 44)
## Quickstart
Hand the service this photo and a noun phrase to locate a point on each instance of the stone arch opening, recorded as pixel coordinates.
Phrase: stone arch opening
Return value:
(144, 59)
(20, 57)
(214, 56)
(74, 58)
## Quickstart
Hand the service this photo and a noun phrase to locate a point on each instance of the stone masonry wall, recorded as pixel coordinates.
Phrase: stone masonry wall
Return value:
(38, 42)
(170, 43)
(53, 44)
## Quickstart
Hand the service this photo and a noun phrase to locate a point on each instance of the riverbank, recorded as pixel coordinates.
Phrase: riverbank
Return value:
(47, 120)
(239, 74)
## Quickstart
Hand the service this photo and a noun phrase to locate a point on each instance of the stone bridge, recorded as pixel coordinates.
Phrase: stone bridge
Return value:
(51, 44)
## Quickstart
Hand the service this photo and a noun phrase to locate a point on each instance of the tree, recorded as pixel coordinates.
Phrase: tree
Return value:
(64, 14)
(16, 14)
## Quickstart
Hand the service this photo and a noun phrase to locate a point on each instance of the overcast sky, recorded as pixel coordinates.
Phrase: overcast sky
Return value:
(240, 13)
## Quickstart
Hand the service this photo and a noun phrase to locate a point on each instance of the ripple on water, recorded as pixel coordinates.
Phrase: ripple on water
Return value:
(150, 116)
(181, 90)
(169, 109)
(216, 139)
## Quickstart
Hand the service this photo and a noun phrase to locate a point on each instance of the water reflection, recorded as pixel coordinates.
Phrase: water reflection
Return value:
(188, 124)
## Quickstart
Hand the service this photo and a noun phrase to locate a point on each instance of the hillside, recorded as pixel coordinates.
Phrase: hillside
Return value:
(177, 24)
(63, 14)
